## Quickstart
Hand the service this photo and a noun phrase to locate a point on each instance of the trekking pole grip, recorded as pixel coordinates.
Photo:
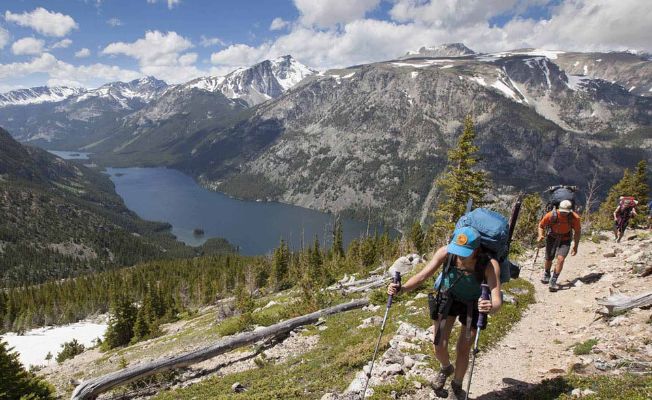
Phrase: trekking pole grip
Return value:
(395, 279)
(486, 295)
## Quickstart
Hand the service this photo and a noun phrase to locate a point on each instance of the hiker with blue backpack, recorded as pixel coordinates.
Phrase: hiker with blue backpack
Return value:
(557, 228)
(470, 266)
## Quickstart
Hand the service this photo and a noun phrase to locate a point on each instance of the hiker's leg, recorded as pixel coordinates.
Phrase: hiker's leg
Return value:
(441, 349)
(462, 358)
(550, 253)
(560, 264)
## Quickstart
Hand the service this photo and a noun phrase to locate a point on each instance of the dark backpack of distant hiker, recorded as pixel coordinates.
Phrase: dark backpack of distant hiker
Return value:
(559, 193)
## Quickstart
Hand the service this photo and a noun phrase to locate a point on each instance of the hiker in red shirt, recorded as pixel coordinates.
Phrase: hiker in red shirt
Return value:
(557, 227)
(624, 212)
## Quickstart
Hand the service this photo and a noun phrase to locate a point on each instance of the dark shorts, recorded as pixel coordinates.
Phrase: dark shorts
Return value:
(624, 225)
(556, 248)
(459, 309)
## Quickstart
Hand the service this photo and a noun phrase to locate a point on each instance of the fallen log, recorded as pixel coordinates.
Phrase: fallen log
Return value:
(619, 302)
(91, 388)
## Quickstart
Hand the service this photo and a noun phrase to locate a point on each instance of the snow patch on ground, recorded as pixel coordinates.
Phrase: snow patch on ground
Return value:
(575, 81)
(414, 74)
(34, 345)
(479, 80)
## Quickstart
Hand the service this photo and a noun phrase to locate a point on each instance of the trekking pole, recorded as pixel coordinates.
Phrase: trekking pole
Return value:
(395, 279)
(534, 263)
(482, 323)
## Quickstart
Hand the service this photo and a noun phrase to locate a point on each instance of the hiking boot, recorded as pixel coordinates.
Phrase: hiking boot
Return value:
(440, 379)
(553, 284)
(546, 277)
(456, 392)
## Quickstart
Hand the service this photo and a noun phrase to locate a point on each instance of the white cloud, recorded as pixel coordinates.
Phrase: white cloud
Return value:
(160, 54)
(188, 59)
(64, 82)
(43, 21)
(278, 24)
(114, 22)
(62, 44)
(171, 3)
(83, 53)
(582, 25)
(210, 41)
(46, 63)
(240, 54)
(4, 37)
(332, 12)
(27, 46)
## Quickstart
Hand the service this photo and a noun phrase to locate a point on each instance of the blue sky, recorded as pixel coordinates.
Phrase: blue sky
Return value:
(91, 42)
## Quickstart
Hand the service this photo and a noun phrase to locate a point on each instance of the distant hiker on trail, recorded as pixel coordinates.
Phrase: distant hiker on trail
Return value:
(624, 212)
(470, 266)
(557, 227)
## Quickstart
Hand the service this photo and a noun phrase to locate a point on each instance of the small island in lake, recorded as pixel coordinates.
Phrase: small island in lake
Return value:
(198, 231)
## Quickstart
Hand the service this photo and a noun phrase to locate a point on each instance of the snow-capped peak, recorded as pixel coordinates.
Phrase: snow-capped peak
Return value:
(262, 81)
(143, 89)
(38, 95)
(443, 50)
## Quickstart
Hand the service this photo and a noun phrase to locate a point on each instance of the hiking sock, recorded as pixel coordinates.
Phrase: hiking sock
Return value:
(553, 282)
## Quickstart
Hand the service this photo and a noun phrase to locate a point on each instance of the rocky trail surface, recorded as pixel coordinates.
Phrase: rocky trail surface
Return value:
(542, 344)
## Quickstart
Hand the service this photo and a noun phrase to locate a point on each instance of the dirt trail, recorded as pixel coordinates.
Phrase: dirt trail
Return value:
(540, 345)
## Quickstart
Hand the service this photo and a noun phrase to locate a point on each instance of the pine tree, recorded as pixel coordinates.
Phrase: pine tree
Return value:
(121, 322)
(417, 237)
(280, 266)
(640, 183)
(338, 239)
(461, 181)
(17, 383)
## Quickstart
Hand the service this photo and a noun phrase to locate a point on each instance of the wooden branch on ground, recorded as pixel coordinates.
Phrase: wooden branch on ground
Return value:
(618, 302)
(93, 387)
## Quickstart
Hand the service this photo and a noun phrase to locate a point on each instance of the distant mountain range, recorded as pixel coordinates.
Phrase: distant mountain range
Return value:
(371, 137)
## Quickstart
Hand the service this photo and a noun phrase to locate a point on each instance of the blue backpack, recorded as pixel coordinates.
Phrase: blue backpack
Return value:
(494, 237)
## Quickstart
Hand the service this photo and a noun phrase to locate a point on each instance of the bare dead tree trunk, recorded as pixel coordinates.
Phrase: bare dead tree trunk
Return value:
(91, 388)
(591, 192)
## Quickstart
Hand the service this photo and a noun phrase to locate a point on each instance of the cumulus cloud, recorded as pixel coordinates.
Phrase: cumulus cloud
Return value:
(240, 54)
(332, 12)
(62, 44)
(160, 54)
(27, 46)
(278, 24)
(83, 53)
(113, 22)
(56, 69)
(171, 3)
(582, 25)
(45, 22)
(210, 41)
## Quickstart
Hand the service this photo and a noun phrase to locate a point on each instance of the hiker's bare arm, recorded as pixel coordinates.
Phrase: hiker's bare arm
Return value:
(427, 271)
(616, 214)
(492, 274)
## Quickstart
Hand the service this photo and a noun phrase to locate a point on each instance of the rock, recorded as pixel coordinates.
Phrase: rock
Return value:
(237, 388)
(609, 254)
(408, 362)
(508, 298)
(618, 321)
(417, 385)
(270, 304)
(420, 296)
(576, 392)
(578, 283)
(371, 321)
(390, 370)
(587, 392)
(371, 307)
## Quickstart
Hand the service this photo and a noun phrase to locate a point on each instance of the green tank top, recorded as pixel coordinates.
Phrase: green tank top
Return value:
(465, 287)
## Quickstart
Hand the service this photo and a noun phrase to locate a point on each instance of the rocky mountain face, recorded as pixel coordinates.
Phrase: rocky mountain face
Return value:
(168, 129)
(374, 137)
(632, 71)
(81, 118)
(38, 95)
